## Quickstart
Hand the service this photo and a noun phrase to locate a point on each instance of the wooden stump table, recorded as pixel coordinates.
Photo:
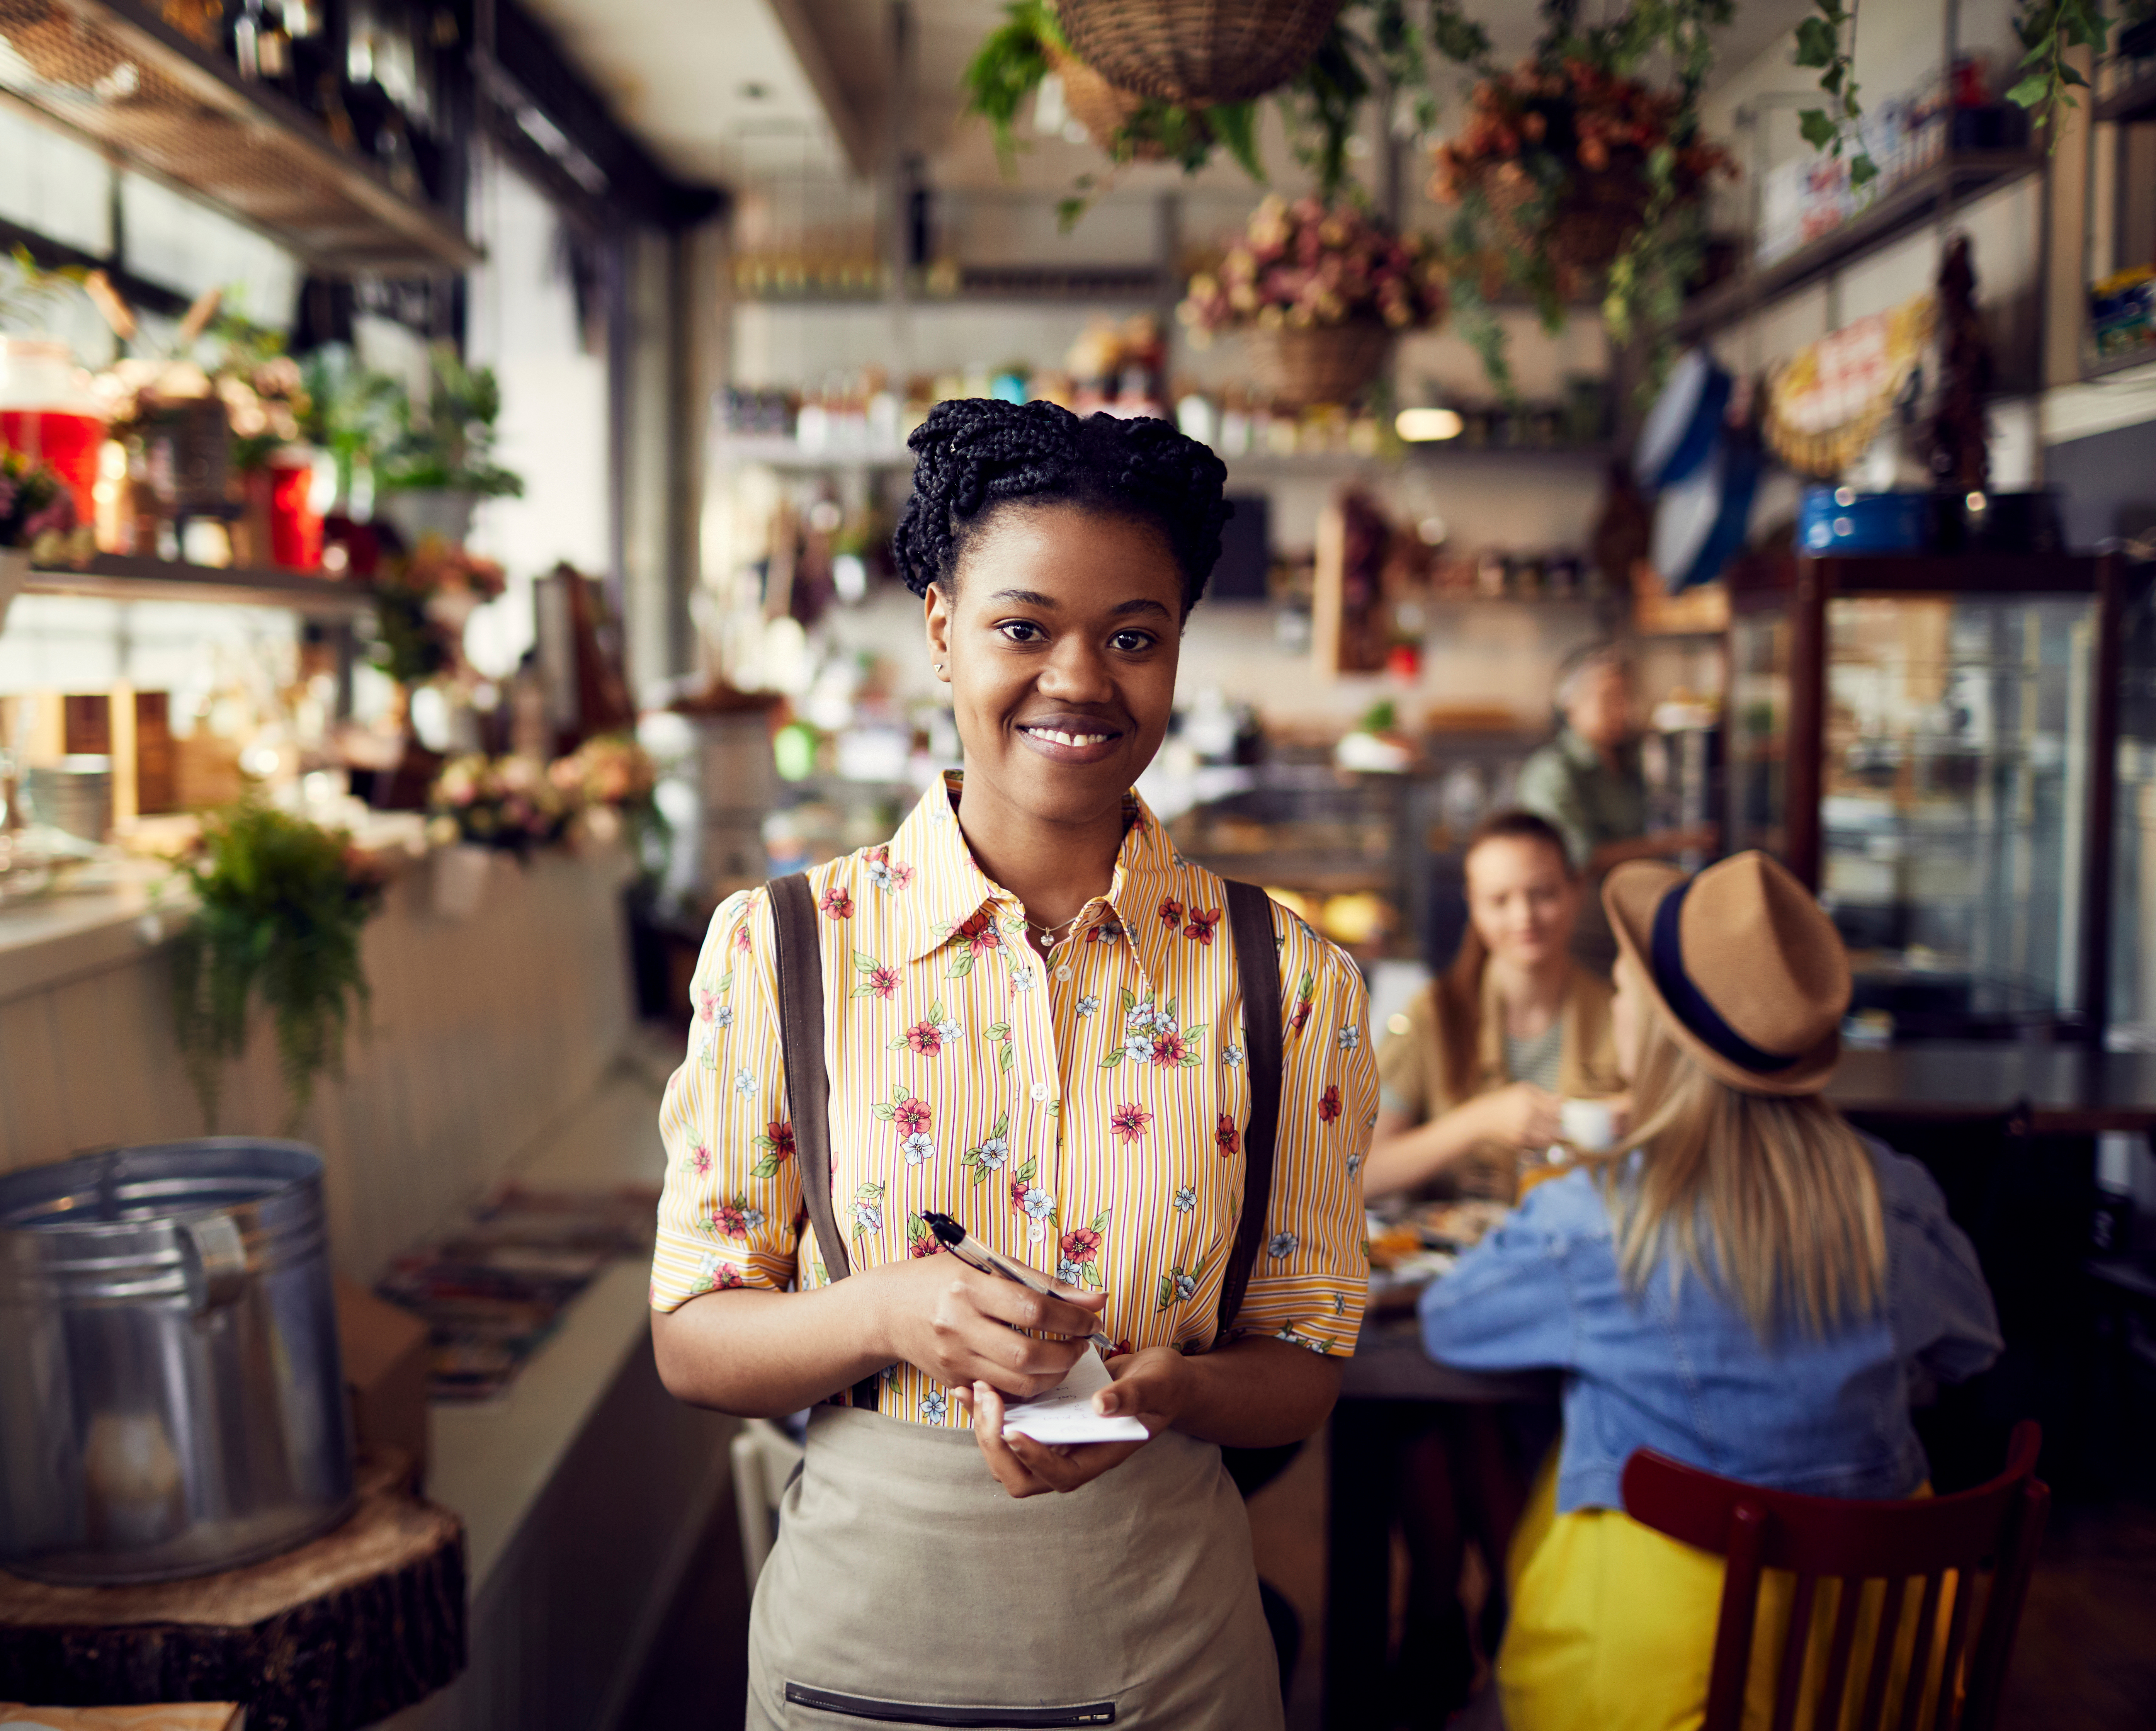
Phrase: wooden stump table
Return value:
(337, 1634)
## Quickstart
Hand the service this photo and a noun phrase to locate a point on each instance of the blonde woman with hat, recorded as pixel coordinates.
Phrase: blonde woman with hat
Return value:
(1744, 1283)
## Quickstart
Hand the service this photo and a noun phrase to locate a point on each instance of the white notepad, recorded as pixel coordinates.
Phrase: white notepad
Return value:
(1065, 1415)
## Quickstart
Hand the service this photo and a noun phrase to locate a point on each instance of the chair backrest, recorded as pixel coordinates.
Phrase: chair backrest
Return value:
(1992, 1529)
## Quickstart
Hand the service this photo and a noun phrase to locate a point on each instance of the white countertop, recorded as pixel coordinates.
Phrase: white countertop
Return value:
(490, 1461)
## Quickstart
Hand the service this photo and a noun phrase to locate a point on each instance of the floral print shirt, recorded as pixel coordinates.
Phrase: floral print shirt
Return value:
(1086, 1116)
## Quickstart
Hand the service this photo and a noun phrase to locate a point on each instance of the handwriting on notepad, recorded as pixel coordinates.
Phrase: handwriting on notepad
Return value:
(1064, 1413)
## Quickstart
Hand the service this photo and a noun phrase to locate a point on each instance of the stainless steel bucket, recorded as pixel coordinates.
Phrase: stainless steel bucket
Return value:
(171, 1398)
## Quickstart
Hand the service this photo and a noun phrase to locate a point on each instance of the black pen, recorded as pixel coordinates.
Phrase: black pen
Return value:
(974, 1253)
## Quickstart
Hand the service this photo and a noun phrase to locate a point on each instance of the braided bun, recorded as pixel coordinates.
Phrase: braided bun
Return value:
(977, 453)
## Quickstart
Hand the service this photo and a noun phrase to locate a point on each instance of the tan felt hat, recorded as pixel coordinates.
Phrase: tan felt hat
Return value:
(1744, 964)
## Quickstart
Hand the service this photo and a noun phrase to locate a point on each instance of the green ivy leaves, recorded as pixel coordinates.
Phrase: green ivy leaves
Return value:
(2049, 29)
(1821, 43)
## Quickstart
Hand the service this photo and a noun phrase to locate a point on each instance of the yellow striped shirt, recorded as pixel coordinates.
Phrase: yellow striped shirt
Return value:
(1086, 1116)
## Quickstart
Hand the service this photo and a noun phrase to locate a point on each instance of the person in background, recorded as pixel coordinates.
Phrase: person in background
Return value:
(1472, 1073)
(1587, 782)
(1744, 1283)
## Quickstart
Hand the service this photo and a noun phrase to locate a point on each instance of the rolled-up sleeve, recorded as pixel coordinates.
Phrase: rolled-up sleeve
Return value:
(1943, 1318)
(1313, 1271)
(1505, 1305)
(727, 1216)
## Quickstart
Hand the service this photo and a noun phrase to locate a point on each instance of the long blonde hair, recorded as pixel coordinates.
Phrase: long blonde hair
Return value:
(1772, 1201)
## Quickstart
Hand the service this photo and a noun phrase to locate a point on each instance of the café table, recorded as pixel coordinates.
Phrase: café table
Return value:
(1390, 1367)
(2055, 1088)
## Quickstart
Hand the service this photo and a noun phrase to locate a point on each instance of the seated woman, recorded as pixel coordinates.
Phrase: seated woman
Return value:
(1514, 1027)
(1744, 1283)
(1475, 1078)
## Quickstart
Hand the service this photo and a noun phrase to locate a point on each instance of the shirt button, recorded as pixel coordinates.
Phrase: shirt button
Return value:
(1039, 1093)
(1063, 971)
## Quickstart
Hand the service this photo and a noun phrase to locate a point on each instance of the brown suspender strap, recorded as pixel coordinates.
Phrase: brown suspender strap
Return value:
(800, 969)
(1257, 966)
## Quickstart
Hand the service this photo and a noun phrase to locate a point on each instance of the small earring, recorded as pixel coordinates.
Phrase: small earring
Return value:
(939, 668)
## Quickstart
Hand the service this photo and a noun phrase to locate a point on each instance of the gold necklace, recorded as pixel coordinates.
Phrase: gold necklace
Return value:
(1046, 935)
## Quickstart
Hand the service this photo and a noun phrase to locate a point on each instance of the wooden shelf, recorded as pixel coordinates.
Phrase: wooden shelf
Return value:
(2133, 100)
(1251, 466)
(2110, 366)
(1977, 573)
(1906, 207)
(114, 73)
(115, 576)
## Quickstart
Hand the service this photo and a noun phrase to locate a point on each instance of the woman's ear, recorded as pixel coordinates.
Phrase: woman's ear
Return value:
(935, 619)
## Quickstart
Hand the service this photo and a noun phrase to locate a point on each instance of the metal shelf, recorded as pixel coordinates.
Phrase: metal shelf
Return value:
(1906, 207)
(114, 73)
(117, 576)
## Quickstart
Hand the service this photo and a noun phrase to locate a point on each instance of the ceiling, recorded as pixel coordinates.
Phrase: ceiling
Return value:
(738, 91)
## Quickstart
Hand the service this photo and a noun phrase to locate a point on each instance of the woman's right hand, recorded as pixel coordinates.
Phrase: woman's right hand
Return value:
(1522, 1115)
(960, 1326)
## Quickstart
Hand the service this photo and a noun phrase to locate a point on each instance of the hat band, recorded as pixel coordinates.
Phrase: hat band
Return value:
(1689, 1005)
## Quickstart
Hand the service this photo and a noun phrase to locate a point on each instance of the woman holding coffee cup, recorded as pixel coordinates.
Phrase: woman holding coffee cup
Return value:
(1511, 1050)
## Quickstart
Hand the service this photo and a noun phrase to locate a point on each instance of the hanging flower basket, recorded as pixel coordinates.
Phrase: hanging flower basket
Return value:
(1589, 224)
(1300, 368)
(1196, 51)
(1102, 108)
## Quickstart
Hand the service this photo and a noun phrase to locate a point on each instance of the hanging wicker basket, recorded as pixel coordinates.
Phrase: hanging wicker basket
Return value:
(1592, 221)
(1317, 364)
(1196, 52)
(1102, 108)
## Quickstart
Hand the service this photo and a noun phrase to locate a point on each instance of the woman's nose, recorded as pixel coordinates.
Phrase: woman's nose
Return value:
(1077, 671)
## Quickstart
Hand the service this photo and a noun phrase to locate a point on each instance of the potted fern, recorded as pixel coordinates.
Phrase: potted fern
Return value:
(280, 905)
(440, 465)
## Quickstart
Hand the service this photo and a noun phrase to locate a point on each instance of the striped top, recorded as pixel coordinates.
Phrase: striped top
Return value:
(1086, 1116)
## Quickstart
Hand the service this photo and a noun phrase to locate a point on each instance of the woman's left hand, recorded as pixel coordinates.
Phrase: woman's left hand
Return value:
(1148, 1386)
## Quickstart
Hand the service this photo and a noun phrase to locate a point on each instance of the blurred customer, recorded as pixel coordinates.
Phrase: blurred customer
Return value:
(1744, 1283)
(1489, 1053)
(1513, 1028)
(1587, 782)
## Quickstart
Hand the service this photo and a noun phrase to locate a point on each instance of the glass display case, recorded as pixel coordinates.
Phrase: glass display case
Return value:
(1931, 743)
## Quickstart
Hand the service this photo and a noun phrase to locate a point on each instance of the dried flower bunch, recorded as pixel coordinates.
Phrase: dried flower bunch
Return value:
(607, 769)
(38, 513)
(1532, 132)
(1302, 265)
(422, 602)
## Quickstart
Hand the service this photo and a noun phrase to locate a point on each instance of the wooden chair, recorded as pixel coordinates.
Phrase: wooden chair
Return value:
(1992, 1529)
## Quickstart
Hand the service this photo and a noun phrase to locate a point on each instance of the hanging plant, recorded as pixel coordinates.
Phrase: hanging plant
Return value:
(1573, 173)
(281, 903)
(1368, 44)
(1319, 293)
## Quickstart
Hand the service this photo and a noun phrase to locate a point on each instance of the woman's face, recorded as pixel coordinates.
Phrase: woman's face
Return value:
(1522, 899)
(1060, 647)
(1628, 1017)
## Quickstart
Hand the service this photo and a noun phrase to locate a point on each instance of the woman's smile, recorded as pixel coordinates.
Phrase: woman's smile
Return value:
(1071, 739)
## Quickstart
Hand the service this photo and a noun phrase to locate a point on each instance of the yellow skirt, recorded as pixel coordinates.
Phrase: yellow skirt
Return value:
(1613, 1626)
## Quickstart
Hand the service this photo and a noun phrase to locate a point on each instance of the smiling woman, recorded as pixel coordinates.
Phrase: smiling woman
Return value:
(1033, 1024)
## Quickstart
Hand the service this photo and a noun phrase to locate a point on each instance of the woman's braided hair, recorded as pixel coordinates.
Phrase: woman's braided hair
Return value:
(977, 453)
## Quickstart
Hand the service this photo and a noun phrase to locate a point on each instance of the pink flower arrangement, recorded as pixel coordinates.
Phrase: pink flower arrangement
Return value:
(38, 513)
(509, 803)
(1302, 264)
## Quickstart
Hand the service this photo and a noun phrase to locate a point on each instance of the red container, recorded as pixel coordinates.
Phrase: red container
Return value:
(47, 413)
(295, 527)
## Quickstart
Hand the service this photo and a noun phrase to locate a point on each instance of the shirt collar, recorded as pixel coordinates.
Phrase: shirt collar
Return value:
(1577, 751)
(942, 894)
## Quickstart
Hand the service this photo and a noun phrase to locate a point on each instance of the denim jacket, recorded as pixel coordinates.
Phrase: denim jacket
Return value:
(1676, 1367)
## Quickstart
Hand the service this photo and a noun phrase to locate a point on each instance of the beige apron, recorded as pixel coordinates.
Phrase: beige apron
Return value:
(908, 1588)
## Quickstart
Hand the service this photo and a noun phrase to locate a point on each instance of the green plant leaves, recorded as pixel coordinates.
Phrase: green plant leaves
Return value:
(280, 907)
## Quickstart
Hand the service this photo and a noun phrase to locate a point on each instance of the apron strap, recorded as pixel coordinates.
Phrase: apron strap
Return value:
(1257, 968)
(800, 965)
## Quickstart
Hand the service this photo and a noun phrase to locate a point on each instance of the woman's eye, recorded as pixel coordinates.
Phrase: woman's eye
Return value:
(1021, 631)
(1132, 643)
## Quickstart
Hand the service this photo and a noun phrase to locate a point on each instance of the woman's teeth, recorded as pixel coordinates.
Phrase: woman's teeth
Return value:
(1056, 737)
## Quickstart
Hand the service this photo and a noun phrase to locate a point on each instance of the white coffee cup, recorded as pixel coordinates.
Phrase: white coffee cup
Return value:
(1588, 1125)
